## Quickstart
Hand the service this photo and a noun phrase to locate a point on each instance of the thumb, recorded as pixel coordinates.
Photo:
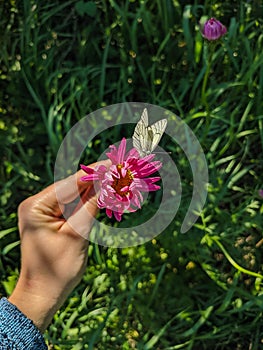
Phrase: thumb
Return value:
(81, 220)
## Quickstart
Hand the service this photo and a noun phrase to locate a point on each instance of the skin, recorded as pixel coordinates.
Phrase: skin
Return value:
(53, 249)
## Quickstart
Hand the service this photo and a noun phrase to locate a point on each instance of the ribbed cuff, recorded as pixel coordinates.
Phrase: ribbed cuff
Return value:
(17, 331)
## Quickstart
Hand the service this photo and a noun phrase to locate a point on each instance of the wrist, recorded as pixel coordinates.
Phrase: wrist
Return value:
(35, 302)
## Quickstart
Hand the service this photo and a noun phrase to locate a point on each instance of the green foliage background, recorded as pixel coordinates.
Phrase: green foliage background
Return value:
(62, 60)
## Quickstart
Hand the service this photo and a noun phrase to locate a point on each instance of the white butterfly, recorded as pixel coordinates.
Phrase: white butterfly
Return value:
(146, 137)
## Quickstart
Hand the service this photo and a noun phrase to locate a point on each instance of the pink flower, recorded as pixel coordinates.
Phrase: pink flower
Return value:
(121, 185)
(213, 29)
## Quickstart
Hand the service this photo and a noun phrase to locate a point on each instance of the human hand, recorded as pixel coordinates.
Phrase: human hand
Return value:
(53, 249)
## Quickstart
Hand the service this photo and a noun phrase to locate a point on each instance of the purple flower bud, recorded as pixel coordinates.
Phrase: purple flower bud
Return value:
(260, 193)
(213, 29)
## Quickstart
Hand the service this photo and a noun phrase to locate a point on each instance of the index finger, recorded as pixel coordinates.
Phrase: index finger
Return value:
(66, 190)
(70, 188)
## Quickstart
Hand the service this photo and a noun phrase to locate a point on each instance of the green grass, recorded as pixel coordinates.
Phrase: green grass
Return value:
(62, 60)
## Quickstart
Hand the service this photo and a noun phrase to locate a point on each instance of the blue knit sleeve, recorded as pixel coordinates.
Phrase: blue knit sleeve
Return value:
(17, 332)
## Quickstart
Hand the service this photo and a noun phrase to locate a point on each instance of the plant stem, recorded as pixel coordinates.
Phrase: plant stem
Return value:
(208, 62)
(203, 93)
(233, 262)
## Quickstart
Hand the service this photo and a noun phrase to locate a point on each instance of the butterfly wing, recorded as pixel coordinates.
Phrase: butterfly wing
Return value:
(140, 135)
(145, 137)
(144, 117)
(155, 132)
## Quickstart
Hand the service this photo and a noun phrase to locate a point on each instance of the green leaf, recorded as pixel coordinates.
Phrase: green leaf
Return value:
(9, 285)
(86, 8)
(9, 247)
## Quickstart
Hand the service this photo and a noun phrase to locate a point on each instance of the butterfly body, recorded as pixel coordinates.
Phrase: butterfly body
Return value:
(146, 137)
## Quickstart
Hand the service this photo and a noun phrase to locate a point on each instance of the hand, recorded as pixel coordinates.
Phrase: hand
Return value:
(53, 249)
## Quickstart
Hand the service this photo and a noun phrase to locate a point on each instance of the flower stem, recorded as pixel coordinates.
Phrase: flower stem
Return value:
(204, 85)
(208, 62)
(233, 262)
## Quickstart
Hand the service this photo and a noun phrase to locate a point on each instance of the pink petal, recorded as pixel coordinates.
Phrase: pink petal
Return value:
(121, 151)
(153, 188)
(150, 180)
(109, 213)
(132, 210)
(146, 185)
(117, 215)
(101, 169)
(136, 200)
(113, 154)
(133, 153)
(92, 177)
(123, 172)
(87, 169)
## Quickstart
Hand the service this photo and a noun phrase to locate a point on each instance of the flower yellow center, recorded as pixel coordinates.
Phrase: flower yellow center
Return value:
(119, 183)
